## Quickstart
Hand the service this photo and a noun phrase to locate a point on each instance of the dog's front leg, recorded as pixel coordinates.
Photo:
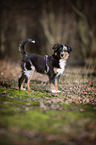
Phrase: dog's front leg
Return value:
(56, 79)
(54, 87)
(52, 81)
(56, 84)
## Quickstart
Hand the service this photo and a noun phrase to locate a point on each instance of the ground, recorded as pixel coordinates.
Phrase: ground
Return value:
(41, 117)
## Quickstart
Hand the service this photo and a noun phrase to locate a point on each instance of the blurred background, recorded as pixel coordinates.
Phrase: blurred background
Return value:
(71, 22)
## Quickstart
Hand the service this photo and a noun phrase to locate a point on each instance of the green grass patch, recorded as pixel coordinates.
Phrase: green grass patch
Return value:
(68, 114)
(21, 109)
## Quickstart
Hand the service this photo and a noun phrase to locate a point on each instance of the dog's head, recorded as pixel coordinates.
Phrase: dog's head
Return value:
(61, 50)
(69, 48)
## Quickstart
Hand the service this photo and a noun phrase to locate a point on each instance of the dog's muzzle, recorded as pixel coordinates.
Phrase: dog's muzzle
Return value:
(63, 54)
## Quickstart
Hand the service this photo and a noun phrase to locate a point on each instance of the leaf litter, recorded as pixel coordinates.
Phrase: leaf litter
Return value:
(78, 90)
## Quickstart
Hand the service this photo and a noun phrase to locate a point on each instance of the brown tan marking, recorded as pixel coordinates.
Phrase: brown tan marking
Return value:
(55, 70)
(56, 84)
(66, 56)
(52, 87)
(55, 53)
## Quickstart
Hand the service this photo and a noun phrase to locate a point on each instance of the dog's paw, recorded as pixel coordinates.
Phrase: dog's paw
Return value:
(54, 91)
(23, 89)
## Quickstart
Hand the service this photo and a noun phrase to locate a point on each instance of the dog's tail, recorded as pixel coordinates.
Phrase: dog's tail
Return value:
(22, 44)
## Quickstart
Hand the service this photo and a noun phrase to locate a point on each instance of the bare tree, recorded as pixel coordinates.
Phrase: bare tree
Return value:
(60, 27)
(87, 32)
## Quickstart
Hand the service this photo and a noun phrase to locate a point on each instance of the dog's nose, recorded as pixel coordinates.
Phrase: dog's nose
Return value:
(62, 55)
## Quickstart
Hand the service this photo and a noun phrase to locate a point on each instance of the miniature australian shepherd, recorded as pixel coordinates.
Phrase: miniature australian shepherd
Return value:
(52, 65)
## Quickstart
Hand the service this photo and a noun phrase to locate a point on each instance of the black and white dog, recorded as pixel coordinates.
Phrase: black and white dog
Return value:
(53, 65)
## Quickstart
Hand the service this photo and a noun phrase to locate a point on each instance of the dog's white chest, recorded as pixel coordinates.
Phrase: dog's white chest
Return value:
(62, 64)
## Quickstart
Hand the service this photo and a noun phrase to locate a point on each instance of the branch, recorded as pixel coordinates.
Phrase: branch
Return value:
(76, 10)
(47, 32)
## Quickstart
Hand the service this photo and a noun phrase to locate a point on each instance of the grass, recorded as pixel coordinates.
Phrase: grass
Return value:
(40, 117)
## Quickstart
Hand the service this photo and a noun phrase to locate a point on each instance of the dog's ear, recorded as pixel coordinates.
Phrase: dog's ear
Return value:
(56, 46)
(69, 48)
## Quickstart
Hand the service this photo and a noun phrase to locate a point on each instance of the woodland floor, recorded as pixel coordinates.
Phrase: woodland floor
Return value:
(43, 118)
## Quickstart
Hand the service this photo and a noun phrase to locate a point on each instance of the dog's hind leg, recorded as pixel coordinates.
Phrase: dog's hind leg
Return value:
(52, 81)
(27, 81)
(21, 81)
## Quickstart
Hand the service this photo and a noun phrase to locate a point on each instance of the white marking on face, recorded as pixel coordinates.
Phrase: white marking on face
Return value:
(63, 52)
(64, 47)
(60, 70)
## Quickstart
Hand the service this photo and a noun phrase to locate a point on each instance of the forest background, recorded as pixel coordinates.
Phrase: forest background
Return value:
(71, 22)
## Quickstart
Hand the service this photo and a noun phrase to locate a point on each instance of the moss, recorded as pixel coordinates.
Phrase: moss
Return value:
(20, 111)
(51, 121)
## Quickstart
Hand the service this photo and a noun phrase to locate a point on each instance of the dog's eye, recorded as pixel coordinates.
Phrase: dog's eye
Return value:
(65, 50)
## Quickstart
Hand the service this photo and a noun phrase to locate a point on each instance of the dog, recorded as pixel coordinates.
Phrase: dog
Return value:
(52, 65)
